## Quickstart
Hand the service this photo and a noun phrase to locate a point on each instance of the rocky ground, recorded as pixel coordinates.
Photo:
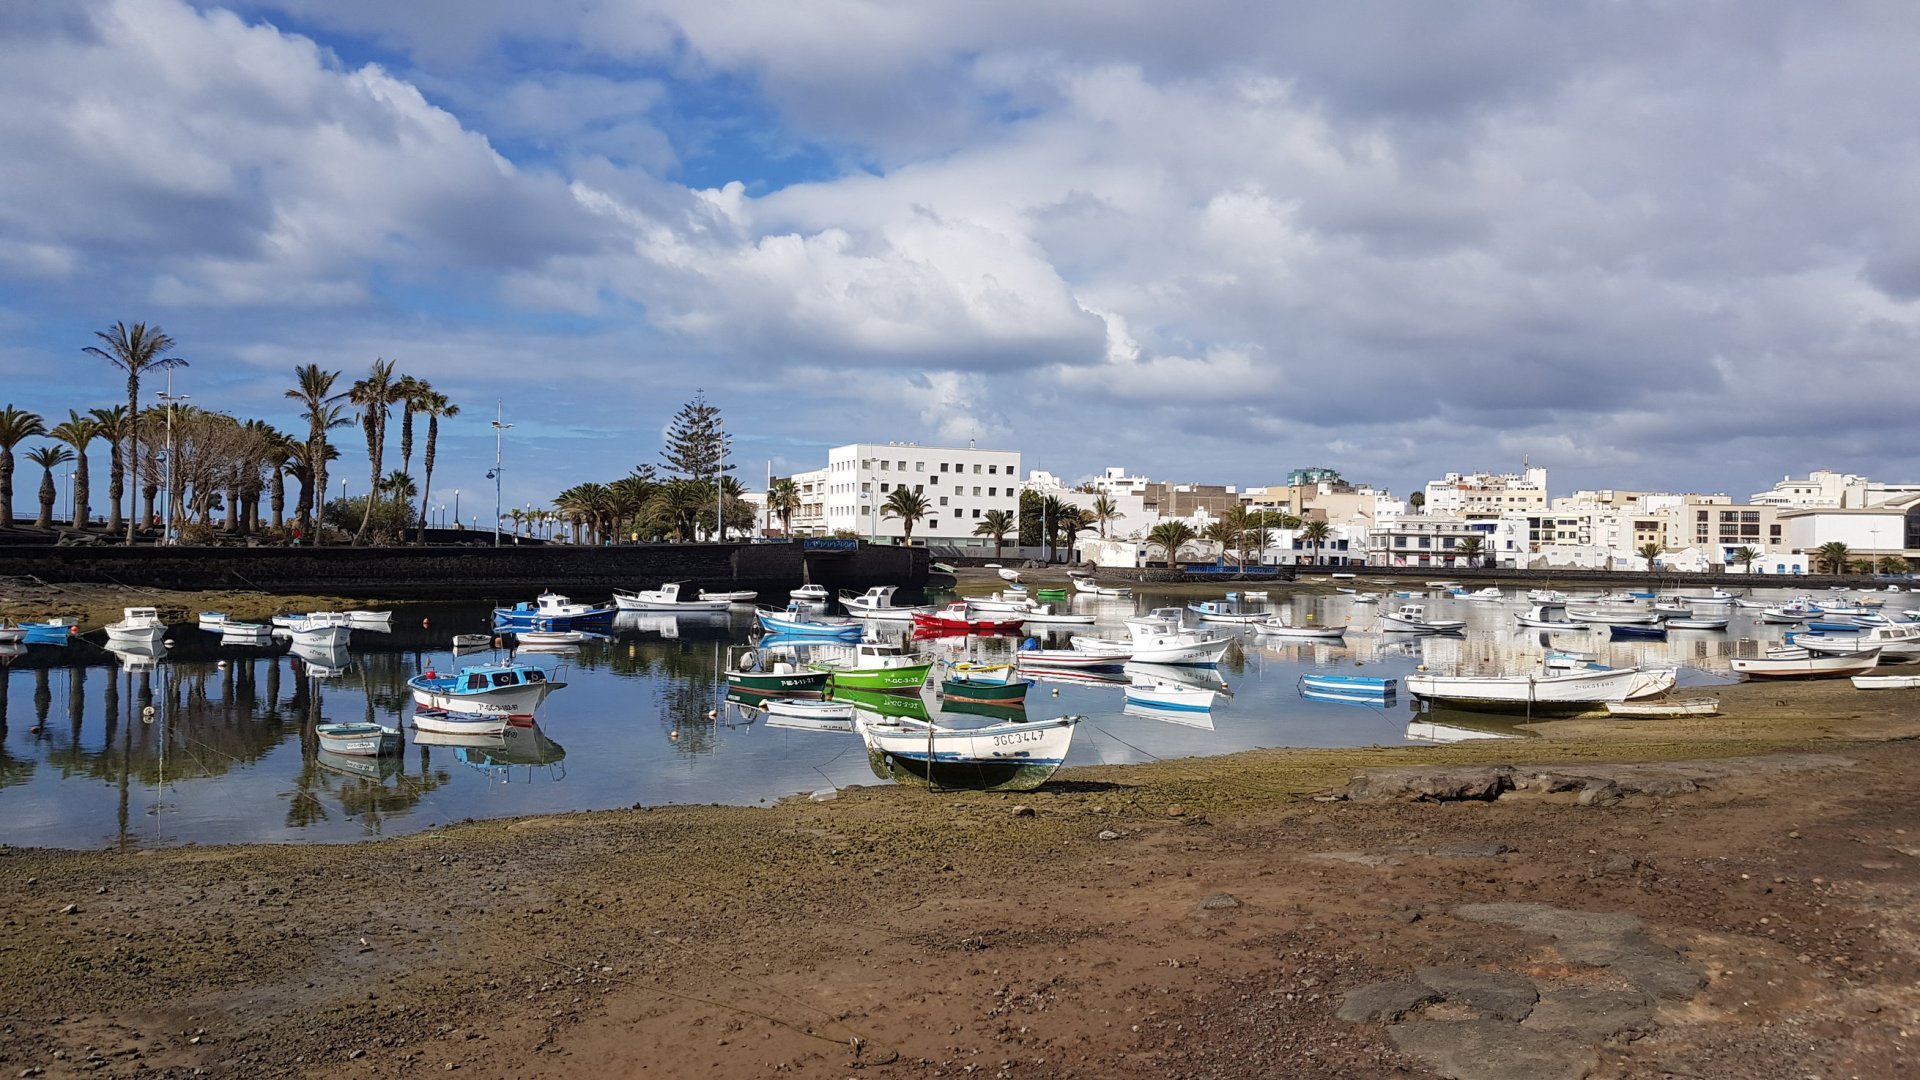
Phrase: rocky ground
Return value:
(98, 604)
(1708, 898)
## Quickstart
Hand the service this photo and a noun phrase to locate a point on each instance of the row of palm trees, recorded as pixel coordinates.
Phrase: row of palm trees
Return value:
(208, 461)
(645, 507)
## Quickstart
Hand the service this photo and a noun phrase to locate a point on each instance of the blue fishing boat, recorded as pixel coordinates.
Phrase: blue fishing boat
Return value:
(1834, 627)
(50, 632)
(1349, 684)
(551, 611)
(1350, 697)
(800, 624)
(495, 691)
(1621, 631)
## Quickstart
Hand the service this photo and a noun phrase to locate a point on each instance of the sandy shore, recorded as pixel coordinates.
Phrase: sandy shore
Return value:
(1194, 918)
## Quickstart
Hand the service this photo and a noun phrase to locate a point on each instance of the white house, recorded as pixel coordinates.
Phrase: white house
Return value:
(959, 484)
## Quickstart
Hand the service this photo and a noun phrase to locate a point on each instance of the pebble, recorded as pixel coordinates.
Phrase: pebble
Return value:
(1176, 810)
(1023, 810)
(70, 909)
(1108, 834)
(1220, 900)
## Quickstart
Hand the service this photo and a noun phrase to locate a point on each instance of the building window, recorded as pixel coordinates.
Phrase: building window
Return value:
(1426, 541)
(943, 500)
(976, 489)
(1446, 542)
(976, 512)
(976, 469)
(903, 466)
(884, 488)
(919, 466)
(993, 491)
(991, 469)
(943, 466)
(919, 488)
(933, 479)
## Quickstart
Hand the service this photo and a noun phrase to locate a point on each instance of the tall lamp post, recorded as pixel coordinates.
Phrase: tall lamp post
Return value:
(499, 438)
(456, 506)
(168, 396)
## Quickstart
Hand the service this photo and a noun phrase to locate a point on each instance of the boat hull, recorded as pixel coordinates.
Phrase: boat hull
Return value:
(895, 680)
(450, 723)
(359, 740)
(984, 692)
(999, 757)
(1817, 666)
(1657, 709)
(1172, 698)
(505, 702)
(1574, 693)
(786, 682)
(322, 637)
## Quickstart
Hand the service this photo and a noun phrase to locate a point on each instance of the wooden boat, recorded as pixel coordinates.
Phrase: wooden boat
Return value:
(211, 620)
(876, 603)
(442, 722)
(665, 598)
(1491, 593)
(1412, 619)
(1897, 643)
(1698, 623)
(802, 624)
(1069, 659)
(1045, 614)
(812, 709)
(1254, 594)
(874, 665)
(1350, 684)
(358, 740)
(1173, 696)
(1621, 632)
(472, 641)
(508, 691)
(551, 611)
(1801, 664)
(551, 637)
(137, 626)
(1159, 638)
(1278, 628)
(810, 593)
(988, 685)
(757, 674)
(1018, 756)
(370, 620)
(1012, 600)
(1785, 615)
(12, 635)
(1887, 682)
(1716, 596)
(1573, 691)
(1625, 617)
(1537, 616)
(737, 596)
(322, 630)
(1050, 594)
(235, 632)
(1348, 697)
(1707, 706)
(1008, 574)
(1093, 588)
(1222, 612)
(959, 615)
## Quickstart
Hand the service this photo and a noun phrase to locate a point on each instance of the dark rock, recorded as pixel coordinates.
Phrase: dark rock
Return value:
(1492, 1050)
(1220, 900)
(1599, 793)
(1385, 1001)
(1550, 921)
(1107, 834)
(1427, 784)
(1661, 972)
(1023, 811)
(1594, 1015)
(1509, 997)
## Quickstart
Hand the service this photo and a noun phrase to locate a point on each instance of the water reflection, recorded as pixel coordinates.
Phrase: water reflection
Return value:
(209, 741)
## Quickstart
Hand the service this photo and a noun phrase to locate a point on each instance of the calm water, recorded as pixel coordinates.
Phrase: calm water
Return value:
(213, 744)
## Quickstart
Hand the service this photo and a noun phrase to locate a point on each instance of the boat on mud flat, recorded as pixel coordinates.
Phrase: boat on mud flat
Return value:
(1016, 756)
(1706, 706)
(1575, 691)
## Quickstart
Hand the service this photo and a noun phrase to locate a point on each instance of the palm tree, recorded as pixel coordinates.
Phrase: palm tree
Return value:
(1893, 564)
(1649, 552)
(1105, 510)
(628, 497)
(313, 389)
(1472, 548)
(783, 498)
(1745, 557)
(1224, 534)
(15, 426)
(374, 397)
(115, 428)
(435, 406)
(997, 524)
(1316, 532)
(910, 507)
(1170, 536)
(283, 459)
(679, 504)
(1053, 509)
(77, 432)
(1237, 521)
(399, 487)
(409, 392)
(135, 350)
(48, 458)
(1832, 557)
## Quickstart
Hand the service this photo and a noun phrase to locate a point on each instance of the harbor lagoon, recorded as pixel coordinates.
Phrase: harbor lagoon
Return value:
(207, 743)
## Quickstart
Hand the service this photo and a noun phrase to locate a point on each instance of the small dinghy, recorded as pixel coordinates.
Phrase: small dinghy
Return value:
(1349, 684)
(1887, 682)
(812, 709)
(472, 641)
(1277, 628)
(1652, 709)
(358, 740)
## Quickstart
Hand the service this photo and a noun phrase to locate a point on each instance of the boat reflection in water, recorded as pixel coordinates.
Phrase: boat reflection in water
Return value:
(497, 755)
(1192, 718)
(376, 769)
(138, 655)
(1458, 725)
(991, 710)
(321, 661)
(880, 703)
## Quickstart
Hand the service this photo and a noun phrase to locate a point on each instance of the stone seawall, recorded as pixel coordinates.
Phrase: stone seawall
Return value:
(475, 572)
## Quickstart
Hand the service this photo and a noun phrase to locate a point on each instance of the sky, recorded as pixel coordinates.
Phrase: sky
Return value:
(1659, 245)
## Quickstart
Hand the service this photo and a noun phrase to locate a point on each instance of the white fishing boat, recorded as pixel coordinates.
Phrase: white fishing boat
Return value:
(1897, 643)
(1093, 588)
(1489, 594)
(877, 603)
(1706, 706)
(665, 598)
(137, 626)
(1221, 611)
(1614, 616)
(323, 630)
(1574, 690)
(472, 641)
(1672, 611)
(505, 691)
(1412, 619)
(1045, 613)
(1801, 664)
(1276, 627)
(1537, 616)
(212, 620)
(1547, 597)
(812, 711)
(1005, 600)
(1159, 637)
(235, 632)
(1015, 756)
(551, 637)
(1160, 694)
(1887, 682)
(358, 740)
(1715, 596)
(1366, 598)
(1069, 659)
(736, 596)
(811, 594)
(370, 620)
(1699, 622)
(1442, 584)
(551, 611)
(1008, 574)
(1786, 616)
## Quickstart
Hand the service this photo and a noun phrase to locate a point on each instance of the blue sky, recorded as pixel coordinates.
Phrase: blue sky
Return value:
(1648, 245)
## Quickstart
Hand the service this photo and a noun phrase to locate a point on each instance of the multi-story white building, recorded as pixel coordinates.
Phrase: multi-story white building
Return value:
(1824, 488)
(959, 484)
(1486, 495)
(810, 518)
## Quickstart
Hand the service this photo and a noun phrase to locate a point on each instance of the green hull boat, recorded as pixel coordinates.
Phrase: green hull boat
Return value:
(889, 680)
(784, 683)
(984, 692)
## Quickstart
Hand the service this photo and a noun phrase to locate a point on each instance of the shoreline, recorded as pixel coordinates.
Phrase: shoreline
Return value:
(1063, 932)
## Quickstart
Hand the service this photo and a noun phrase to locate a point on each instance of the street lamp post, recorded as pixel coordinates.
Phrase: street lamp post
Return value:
(456, 506)
(168, 396)
(499, 439)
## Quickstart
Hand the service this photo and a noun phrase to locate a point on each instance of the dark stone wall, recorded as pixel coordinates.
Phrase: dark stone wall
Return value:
(474, 572)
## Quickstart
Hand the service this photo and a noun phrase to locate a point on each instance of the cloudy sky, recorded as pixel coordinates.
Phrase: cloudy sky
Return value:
(1648, 244)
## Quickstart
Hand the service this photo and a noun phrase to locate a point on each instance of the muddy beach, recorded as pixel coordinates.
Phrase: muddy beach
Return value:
(1741, 906)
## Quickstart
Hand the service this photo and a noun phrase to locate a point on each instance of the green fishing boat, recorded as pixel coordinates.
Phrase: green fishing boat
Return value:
(1051, 594)
(779, 677)
(876, 665)
(989, 691)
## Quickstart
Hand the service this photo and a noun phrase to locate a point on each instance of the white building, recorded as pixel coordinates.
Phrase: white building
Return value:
(1115, 481)
(960, 484)
(1486, 495)
(1826, 488)
(1889, 528)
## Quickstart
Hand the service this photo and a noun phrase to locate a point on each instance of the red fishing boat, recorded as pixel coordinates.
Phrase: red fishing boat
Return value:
(960, 616)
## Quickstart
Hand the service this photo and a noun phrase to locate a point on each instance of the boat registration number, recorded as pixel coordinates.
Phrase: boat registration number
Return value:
(1015, 738)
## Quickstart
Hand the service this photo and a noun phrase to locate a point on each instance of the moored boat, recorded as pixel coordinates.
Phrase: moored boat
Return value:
(1802, 664)
(874, 665)
(1277, 627)
(1350, 684)
(810, 594)
(1178, 697)
(1574, 691)
(876, 603)
(665, 598)
(358, 740)
(1018, 756)
(1221, 611)
(507, 691)
(803, 624)
(1413, 619)
(551, 611)
(1887, 682)
(991, 684)
(960, 615)
(322, 630)
(472, 641)
(1706, 706)
(137, 626)
(1069, 659)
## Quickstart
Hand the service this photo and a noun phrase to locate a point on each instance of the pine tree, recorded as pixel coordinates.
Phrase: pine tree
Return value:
(696, 443)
